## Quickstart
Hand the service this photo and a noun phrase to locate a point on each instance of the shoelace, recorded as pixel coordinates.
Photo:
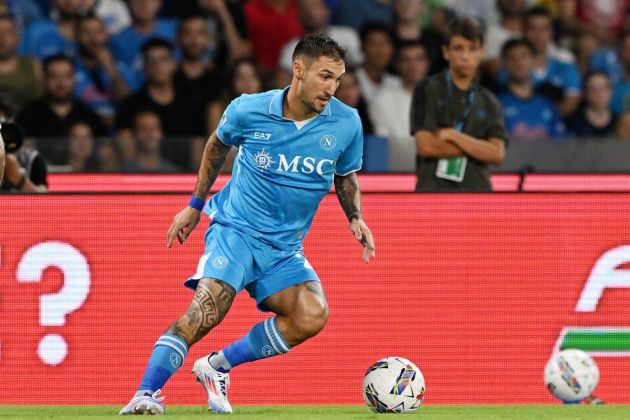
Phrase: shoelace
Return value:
(157, 397)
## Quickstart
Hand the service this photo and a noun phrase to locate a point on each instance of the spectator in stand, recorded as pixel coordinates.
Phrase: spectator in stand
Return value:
(113, 13)
(148, 137)
(610, 60)
(623, 126)
(20, 77)
(271, 24)
(391, 108)
(528, 114)
(81, 149)
(100, 80)
(24, 12)
(407, 28)
(315, 16)
(50, 37)
(107, 156)
(552, 66)
(605, 19)
(57, 110)
(226, 24)
(196, 76)
(585, 46)
(127, 44)
(483, 10)
(594, 117)
(349, 93)
(176, 111)
(357, 13)
(378, 49)
(621, 91)
(242, 77)
(510, 25)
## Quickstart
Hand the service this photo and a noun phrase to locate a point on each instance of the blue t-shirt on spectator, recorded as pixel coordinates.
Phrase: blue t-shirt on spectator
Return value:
(93, 88)
(561, 75)
(126, 45)
(606, 60)
(534, 118)
(42, 39)
(620, 102)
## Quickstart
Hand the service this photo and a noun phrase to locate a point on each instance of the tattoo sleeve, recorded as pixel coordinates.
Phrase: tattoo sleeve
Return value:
(347, 189)
(213, 157)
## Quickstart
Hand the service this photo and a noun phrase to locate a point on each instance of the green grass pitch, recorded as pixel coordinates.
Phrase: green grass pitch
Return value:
(464, 412)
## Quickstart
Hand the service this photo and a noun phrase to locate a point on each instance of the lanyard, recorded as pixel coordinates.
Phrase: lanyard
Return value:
(459, 123)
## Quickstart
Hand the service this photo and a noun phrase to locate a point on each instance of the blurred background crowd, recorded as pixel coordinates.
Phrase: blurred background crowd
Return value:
(138, 85)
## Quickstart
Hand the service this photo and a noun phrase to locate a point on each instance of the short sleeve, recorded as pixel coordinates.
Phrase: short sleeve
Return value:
(229, 130)
(351, 158)
(422, 115)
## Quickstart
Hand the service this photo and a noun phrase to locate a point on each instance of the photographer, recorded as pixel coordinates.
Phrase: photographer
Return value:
(23, 169)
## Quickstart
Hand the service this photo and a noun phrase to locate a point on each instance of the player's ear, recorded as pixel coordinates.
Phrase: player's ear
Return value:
(298, 68)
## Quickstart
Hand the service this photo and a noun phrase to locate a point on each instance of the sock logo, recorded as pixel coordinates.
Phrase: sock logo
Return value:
(176, 360)
(268, 351)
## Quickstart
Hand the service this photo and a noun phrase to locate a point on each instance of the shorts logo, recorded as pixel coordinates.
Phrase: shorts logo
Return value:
(328, 142)
(176, 360)
(220, 262)
(267, 351)
(263, 160)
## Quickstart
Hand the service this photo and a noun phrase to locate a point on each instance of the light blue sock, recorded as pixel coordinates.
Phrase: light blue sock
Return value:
(263, 340)
(168, 355)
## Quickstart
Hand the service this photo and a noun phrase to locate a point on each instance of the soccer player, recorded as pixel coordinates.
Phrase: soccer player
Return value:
(292, 145)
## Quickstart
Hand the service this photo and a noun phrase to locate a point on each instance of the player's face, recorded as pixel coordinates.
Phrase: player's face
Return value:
(319, 80)
(194, 38)
(463, 55)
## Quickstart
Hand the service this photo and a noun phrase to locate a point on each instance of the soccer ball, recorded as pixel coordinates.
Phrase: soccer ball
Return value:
(571, 375)
(393, 385)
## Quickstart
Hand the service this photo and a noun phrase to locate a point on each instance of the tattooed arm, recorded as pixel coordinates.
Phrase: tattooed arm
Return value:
(186, 220)
(347, 189)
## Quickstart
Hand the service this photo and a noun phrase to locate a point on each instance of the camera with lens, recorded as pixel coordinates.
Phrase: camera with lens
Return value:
(13, 137)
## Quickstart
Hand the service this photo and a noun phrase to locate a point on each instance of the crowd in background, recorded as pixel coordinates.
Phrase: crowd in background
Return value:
(138, 85)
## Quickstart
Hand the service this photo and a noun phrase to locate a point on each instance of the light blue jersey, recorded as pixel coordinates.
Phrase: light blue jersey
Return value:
(282, 172)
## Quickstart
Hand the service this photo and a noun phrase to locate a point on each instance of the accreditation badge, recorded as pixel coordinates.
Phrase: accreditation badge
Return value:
(452, 169)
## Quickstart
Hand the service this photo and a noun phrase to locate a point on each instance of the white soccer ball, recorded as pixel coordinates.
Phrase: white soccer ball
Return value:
(571, 375)
(393, 385)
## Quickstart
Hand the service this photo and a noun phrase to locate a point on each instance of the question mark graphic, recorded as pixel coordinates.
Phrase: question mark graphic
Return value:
(54, 307)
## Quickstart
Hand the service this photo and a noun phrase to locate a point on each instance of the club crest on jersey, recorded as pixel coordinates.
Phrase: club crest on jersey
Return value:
(328, 142)
(263, 159)
(220, 262)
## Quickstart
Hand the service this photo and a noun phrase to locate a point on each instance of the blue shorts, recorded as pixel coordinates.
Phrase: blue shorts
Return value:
(244, 262)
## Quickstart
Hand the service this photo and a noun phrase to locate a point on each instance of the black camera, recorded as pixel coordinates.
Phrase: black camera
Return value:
(13, 137)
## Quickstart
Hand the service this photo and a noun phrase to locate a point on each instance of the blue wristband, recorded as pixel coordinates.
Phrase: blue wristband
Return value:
(196, 203)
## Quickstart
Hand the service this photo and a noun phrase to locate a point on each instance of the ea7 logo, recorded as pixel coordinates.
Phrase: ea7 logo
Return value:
(261, 135)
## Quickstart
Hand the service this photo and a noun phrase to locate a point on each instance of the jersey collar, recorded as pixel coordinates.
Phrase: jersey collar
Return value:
(275, 106)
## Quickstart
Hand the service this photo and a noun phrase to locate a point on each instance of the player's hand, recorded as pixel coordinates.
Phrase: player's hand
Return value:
(184, 223)
(444, 134)
(364, 235)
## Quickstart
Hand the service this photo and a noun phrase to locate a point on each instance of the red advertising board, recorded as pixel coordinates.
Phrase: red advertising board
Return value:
(475, 289)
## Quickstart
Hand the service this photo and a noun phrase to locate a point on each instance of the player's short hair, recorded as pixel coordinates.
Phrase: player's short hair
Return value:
(157, 43)
(56, 58)
(515, 43)
(466, 27)
(319, 45)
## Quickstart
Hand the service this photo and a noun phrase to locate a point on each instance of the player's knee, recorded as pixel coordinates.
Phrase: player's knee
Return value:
(311, 319)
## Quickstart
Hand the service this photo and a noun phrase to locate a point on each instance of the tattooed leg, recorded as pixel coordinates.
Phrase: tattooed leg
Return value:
(211, 302)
